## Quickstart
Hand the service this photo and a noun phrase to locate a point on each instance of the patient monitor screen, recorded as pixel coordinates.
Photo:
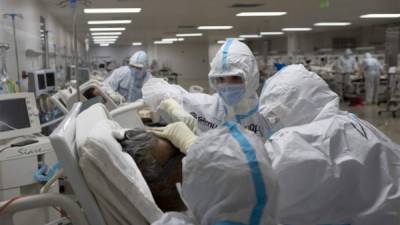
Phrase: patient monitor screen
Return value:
(50, 79)
(13, 114)
(41, 81)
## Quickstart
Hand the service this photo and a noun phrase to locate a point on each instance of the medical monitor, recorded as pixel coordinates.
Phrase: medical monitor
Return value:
(50, 80)
(70, 73)
(37, 82)
(83, 75)
(18, 115)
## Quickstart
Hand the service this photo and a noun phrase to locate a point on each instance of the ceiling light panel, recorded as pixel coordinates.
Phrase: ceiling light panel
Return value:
(271, 33)
(190, 35)
(215, 27)
(105, 40)
(297, 29)
(261, 14)
(163, 42)
(136, 43)
(105, 37)
(91, 22)
(113, 10)
(108, 29)
(169, 39)
(106, 33)
(332, 24)
(386, 15)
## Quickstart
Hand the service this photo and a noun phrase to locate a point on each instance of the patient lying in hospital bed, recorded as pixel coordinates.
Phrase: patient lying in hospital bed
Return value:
(128, 172)
(160, 163)
(94, 91)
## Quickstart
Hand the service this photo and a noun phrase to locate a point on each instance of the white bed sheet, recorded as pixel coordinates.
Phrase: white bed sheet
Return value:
(111, 174)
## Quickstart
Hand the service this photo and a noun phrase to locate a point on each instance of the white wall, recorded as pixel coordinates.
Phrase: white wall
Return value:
(28, 35)
(188, 59)
(117, 53)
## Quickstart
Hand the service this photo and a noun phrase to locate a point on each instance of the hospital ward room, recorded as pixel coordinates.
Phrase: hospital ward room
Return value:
(199, 112)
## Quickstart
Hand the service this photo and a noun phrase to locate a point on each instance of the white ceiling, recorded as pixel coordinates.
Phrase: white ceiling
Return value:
(161, 18)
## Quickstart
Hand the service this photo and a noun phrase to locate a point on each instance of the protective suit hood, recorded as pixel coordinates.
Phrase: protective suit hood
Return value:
(227, 179)
(234, 58)
(139, 59)
(348, 52)
(295, 96)
(368, 55)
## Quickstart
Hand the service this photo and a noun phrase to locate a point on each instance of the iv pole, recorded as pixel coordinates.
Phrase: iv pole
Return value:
(12, 16)
(75, 36)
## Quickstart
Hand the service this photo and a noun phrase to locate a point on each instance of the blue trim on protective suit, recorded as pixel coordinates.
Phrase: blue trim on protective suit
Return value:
(240, 117)
(227, 45)
(258, 182)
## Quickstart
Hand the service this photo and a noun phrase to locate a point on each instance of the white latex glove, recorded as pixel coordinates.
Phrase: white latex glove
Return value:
(177, 113)
(116, 97)
(178, 133)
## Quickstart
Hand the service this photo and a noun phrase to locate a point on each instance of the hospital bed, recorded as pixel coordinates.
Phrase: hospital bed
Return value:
(109, 102)
(66, 98)
(107, 184)
(125, 114)
(116, 195)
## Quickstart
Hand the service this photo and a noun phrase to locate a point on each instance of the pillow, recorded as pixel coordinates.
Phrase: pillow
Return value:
(106, 167)
(86, 121)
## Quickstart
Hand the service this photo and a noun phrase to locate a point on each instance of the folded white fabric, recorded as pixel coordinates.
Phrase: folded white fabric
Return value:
(86, 121)
(111, 174)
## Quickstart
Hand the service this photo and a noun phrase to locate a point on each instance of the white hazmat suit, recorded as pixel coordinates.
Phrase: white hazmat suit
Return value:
(227, 180)
(233, 59)
(332, 167)
(127, 80)
(372, 70)
(345, 66)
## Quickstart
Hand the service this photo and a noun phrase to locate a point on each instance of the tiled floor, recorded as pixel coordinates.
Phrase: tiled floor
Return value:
(388, 125)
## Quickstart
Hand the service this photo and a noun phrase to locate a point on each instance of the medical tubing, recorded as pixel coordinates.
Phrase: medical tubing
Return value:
(8, 125)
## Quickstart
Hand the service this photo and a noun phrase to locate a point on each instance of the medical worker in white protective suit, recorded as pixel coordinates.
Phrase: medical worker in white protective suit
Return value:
(345, 66)
(332, 167)
(234, 75)
(128, 80)
(227, 177)
(372, 70)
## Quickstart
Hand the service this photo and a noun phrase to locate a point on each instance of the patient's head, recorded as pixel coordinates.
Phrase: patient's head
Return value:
(91, 93)
(161, 165)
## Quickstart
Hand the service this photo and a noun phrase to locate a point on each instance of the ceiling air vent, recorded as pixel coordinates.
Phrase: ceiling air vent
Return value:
(246, 5)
